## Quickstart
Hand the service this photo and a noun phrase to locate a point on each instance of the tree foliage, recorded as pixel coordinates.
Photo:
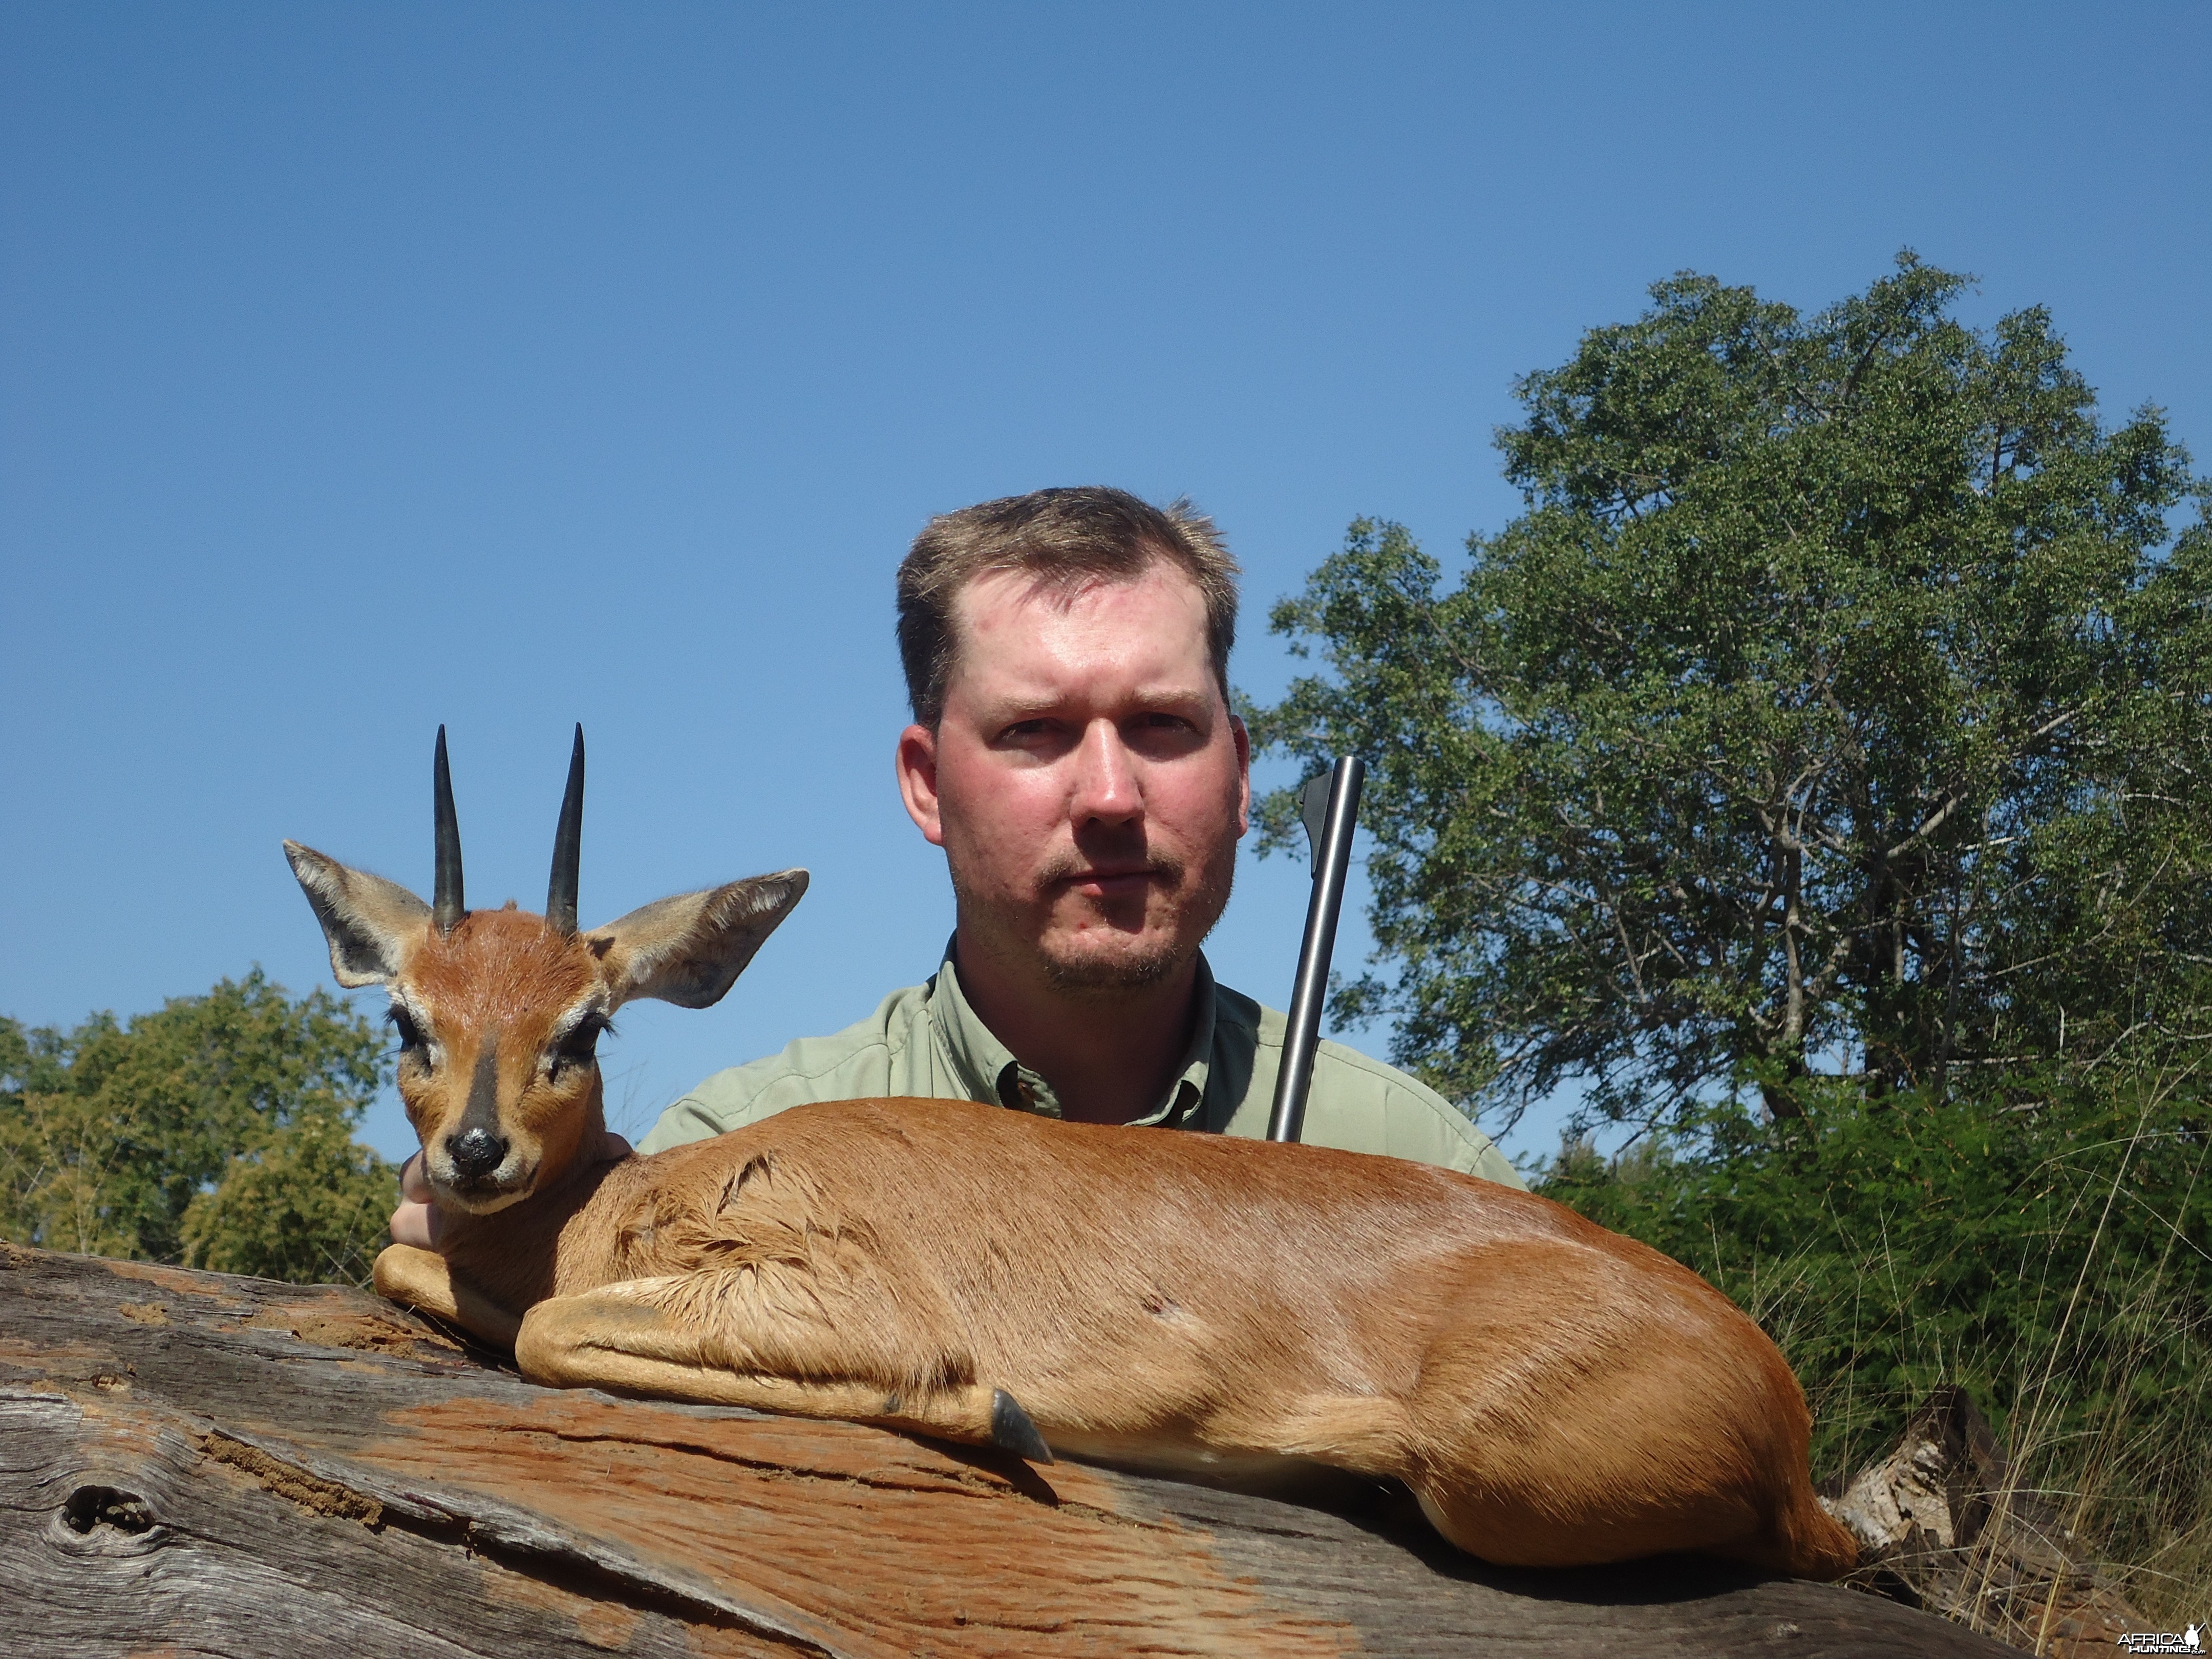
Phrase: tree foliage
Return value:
(1836, 706)
(215, 1132)
(310, 1205)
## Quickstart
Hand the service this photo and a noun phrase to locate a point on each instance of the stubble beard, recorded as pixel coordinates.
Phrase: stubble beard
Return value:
(1195, 903)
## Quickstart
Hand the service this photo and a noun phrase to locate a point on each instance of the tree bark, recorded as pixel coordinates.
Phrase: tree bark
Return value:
(197, 1463)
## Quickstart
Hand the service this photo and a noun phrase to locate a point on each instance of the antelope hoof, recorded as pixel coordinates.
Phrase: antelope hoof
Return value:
(1012, 1429)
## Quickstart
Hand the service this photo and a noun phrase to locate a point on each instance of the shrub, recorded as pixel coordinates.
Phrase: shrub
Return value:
(2048, 1246)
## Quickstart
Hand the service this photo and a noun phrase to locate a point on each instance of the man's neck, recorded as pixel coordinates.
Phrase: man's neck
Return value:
(1109, 1056)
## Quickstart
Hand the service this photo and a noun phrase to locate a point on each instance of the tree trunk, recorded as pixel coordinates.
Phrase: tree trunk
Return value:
(193, 1463)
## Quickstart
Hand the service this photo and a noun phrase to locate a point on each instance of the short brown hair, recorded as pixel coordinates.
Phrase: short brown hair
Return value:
(1064, 539)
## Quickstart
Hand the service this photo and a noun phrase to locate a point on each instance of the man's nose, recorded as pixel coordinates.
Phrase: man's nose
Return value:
(1107, 787)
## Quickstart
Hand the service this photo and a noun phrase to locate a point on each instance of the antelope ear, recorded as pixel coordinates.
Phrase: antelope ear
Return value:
(691, 949)
(372, 924)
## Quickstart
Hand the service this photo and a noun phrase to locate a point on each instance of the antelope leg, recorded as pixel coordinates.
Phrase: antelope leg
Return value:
(611, 1340)
(420, 1278)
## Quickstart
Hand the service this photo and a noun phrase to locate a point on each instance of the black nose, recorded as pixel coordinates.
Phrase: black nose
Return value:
(476, 1153)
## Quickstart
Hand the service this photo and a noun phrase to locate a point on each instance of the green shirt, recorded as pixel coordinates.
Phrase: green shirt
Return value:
(927, 1040)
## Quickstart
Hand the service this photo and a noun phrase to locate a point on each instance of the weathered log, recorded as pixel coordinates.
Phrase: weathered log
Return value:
(191, 1462)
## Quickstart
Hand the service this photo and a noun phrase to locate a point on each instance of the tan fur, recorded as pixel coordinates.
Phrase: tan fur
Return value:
(1553, 1394)
(493, 980)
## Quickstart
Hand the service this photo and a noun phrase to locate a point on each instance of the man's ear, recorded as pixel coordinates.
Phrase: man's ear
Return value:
(372, 925)
(917, 780)
(1243, 740)
(691, 949)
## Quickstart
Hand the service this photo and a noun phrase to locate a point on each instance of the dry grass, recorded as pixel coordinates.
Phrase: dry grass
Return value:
(2056, 1261)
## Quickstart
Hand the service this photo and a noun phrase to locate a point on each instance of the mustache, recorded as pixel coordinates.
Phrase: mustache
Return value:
(1074, 865)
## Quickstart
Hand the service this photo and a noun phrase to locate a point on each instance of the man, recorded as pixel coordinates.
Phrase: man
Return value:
(1073, 750)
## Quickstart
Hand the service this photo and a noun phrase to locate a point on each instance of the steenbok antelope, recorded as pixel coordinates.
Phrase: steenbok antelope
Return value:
(1551, 1393)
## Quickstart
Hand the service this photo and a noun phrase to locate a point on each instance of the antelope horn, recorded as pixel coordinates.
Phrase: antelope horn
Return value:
(568, 847)
(448, 907)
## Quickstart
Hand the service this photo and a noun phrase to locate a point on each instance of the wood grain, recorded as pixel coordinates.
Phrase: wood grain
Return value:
(195, 1463)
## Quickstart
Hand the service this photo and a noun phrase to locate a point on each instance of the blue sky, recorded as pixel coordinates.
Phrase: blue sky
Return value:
(366, 368)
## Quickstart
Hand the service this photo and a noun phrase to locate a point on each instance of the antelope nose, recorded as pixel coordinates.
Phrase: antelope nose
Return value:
(476, 1153)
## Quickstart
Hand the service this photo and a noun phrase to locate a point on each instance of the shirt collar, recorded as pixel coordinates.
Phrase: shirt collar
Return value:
(988, 1071)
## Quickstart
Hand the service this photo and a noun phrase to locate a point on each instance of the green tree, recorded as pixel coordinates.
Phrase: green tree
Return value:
(1836, 706)
(311, 1206)
(215, 1131)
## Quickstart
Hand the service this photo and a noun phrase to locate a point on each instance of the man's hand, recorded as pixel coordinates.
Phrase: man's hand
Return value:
(417, 1220)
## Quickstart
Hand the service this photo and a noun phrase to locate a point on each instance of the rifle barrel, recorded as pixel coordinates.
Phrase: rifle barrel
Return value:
(1332, 857)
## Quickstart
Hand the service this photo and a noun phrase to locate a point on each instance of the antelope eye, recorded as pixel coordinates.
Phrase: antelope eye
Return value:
(579, 1048)
(411, 1034)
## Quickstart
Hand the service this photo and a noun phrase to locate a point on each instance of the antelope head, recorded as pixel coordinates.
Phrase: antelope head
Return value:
(498, 1011)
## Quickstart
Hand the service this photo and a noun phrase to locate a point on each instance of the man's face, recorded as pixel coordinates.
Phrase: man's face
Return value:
(1087, 781)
